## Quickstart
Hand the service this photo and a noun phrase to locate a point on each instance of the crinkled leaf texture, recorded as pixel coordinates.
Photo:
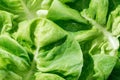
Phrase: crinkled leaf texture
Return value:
(53, 49)
(23, 9)
(14, 60)
(59, 39)
(64, 60)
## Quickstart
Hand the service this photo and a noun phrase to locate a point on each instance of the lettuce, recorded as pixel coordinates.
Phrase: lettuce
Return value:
(59, 39)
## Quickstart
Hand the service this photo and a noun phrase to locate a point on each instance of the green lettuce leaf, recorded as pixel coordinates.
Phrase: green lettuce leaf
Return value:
(47, 76)
(6, 21)
(29, 36)
(64, 60)
(59, 39)
(97, 10)
(14, 60)
(100, 53)
(60, 11)
(113, 23)
(116, 70)
(50, 30)
(24, 9)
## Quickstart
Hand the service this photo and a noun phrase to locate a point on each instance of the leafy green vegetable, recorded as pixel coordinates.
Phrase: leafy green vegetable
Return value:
(6, 22)
(64, 59)
(14, 59)
(115, 73)
(47, 76)
(55, 12)
(97, 10)
(59, 39)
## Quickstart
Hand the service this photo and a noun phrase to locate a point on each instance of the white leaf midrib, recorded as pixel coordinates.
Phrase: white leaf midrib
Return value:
(26, 10)
(112, 40)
